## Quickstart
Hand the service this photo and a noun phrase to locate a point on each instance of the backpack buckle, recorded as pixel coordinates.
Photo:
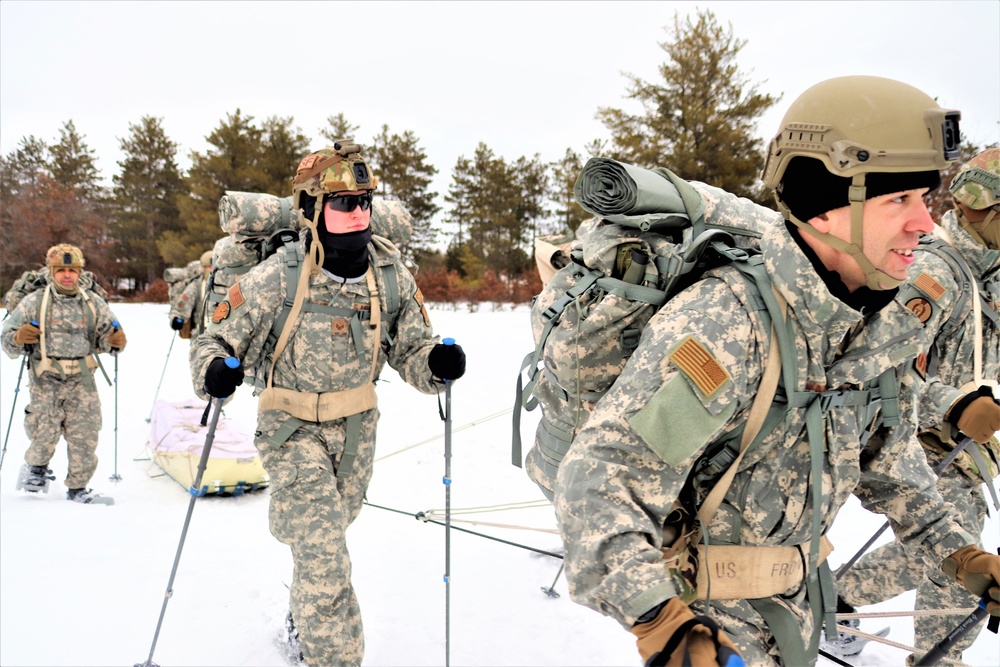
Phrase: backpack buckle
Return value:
(629, 339)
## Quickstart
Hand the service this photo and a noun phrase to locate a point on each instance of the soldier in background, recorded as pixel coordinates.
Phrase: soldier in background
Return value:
(62, 327)
(849, 167)
(187, 310)
(317, 411)
(962, 364)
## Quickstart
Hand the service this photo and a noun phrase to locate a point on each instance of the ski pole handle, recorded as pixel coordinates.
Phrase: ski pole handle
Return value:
(232, 362)
(449, 342)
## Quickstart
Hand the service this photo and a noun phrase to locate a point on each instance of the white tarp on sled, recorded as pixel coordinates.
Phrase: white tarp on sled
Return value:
(177, 440)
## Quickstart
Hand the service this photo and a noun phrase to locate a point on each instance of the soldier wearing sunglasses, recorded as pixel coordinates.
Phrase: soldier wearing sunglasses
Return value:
(356, 307)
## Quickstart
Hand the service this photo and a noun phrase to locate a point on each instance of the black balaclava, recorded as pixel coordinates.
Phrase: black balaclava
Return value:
(344, 255)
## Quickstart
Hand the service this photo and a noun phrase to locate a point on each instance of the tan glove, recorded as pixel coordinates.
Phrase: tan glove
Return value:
(117, 340)
(978, 571)
(27, 334)
(977, 415)
(696, 642)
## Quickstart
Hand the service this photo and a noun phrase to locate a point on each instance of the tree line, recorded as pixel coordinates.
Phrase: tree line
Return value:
(699, 118)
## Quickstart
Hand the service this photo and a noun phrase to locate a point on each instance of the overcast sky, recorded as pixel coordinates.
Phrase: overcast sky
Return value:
(524, 78)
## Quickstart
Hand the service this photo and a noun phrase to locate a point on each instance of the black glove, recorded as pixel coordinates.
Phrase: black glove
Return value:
(176, 324)
(221, 380)
(447, 361)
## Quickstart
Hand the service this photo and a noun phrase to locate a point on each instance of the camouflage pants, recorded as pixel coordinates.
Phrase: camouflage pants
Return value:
(888, 572)
(63, 409)
(310, 511)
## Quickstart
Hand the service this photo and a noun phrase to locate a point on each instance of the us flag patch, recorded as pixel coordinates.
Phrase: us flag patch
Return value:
(933, 288)
(700, 366)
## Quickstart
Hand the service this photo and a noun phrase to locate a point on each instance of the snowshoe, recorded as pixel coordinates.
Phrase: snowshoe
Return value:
(88, 497)
(293, 649)
(34, 478)
(848, 645)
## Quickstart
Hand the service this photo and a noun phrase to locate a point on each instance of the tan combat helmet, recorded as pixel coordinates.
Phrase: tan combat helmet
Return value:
(859, 126)
(338, 168)
(63, 255)
(976, 189)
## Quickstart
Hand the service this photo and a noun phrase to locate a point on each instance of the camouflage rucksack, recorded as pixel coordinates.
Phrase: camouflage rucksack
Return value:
(178, 278)
(38, 278)
(260, 225)
(624, 266)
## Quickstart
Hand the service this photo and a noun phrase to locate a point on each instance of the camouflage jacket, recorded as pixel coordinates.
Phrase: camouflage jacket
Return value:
(189, 306)
(692, 380)
(67, 334)
(320, 355)
(949, 362)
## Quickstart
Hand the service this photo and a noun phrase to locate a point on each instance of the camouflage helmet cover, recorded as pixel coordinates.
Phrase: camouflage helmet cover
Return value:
(977, 184)
(861, 124)
(338, 168)
(64, 254)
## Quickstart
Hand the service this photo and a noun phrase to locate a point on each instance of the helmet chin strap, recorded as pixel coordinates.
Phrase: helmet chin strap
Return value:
(316, 253)
(874, 278)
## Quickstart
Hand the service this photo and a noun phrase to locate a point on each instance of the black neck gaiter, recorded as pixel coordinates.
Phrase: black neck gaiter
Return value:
(346, 255)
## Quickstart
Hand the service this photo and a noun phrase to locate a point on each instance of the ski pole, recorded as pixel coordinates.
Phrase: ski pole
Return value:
(195, 491)
(162, 373)
(115, 477)
(941, 649)
(551, 590)
(17, 390)
(938, 469)
(447, 514)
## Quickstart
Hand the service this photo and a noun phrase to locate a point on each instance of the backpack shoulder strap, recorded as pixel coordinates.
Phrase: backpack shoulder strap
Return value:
(296, 288)
(759, 409)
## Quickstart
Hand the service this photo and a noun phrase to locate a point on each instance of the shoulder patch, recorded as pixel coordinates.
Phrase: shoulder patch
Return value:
(925, 283)
(700, 366)
(235, 296)
(920, 365)
(221, 312)
(921, 308)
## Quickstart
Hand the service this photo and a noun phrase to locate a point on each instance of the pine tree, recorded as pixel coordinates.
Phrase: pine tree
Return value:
(145, 201)
(283, 146)
(339, 128)
(568, 213)
(700, 120)
(404, 174)
(74, 165)
(234, 163)
(496, 207)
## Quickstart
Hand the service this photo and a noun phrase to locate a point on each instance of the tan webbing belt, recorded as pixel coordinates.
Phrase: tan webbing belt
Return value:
(745, 573)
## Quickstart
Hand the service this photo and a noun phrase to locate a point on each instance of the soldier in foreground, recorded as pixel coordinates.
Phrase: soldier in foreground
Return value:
(963, 364)
(317, 411)
(61, 328)
(849, 167)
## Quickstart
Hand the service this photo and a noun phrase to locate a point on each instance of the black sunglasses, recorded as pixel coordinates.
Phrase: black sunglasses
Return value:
(347, 203)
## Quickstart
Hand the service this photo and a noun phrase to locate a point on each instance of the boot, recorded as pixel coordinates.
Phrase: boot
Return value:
(848, 645)
(293, 648)
(34, 478)
(85, 496)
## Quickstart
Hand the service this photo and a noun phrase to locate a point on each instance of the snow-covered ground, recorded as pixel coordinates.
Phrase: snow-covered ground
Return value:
(84, 585)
